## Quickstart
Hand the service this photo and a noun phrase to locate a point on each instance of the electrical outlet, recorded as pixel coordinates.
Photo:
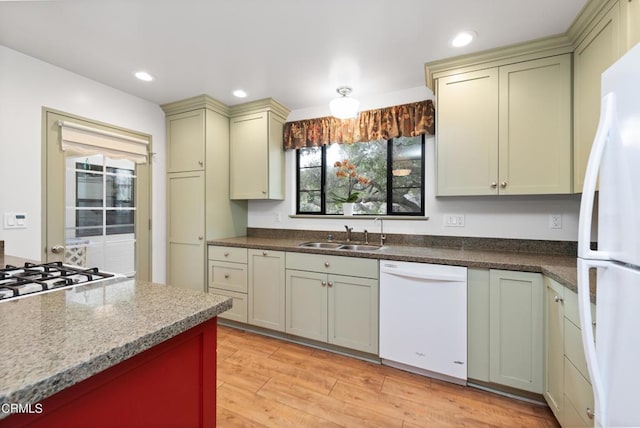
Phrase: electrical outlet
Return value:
(555, 221)
(278, 217)
(454, 220)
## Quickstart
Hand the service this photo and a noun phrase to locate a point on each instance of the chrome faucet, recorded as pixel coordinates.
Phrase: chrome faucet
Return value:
(349, 229)
(383, 237)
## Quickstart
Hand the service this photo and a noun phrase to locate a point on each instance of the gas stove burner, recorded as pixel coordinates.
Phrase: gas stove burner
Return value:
(18, 281)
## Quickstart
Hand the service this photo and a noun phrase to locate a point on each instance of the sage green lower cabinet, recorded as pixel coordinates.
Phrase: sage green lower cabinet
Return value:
(266, 289)
(325, 304)
(478, 324)
(515, 329)
(554, 347)
(227, 276)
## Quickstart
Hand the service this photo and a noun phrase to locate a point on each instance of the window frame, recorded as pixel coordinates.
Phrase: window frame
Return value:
(323, 168)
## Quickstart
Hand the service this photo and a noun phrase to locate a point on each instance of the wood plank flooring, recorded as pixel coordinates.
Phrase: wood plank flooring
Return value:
(265, 382)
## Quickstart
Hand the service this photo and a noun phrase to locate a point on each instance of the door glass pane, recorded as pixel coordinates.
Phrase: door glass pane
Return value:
(100, 213)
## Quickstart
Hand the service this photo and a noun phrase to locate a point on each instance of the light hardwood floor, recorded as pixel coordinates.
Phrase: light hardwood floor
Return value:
(264, 382)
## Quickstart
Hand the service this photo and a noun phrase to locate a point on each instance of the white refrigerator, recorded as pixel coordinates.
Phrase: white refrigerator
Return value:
(613, 355)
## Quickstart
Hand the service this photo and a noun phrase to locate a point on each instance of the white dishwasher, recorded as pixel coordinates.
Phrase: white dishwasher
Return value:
(423, 319)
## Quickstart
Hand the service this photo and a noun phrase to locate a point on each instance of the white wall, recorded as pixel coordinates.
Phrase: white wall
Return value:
(522, 217)
(28, 84)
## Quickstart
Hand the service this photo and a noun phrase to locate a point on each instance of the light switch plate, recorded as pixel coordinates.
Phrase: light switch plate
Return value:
(454, 220)
(15, 221)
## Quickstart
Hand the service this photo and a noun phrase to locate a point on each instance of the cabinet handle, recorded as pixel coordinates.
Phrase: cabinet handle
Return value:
(503, 184)
(226, 276)
(264, 192)
(200, 238)
(264, 253)
(590, 413)
(326, 264)
(330, 283)
(324, 283)
(226, 254)
(200, 163)
(494, 185)
(558, 299)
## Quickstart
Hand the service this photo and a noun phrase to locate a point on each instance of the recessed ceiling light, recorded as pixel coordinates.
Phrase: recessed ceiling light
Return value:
(240, 93)
(144, 76)
(463, 39)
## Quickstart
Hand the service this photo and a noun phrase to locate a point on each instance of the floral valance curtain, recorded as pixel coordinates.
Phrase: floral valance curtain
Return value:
(407, 120)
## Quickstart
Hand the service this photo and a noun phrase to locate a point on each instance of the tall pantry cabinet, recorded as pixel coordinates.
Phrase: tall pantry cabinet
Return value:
(199, 207)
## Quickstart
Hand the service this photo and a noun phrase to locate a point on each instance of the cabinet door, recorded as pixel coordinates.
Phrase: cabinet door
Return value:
(266, 289)
(535, 127)
(592, 56)
(185, 141)
(554, 346)
(478, 310)
(185, 228)
(516, 325)
(306, 304)
(353, 312)
(467, 133)
(249, 156)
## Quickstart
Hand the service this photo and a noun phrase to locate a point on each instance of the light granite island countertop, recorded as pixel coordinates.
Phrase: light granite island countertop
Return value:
(51, 341)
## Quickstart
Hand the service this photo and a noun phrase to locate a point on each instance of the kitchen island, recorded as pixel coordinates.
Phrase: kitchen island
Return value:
(121, 352)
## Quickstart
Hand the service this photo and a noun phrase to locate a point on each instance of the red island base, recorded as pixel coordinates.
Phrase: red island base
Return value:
(171, 384)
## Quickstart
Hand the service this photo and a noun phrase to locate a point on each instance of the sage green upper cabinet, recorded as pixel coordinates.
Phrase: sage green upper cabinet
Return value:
(257, 154)
(597, 49)
(504, 122)
(631, 17)
(467, 155)
(185, 136)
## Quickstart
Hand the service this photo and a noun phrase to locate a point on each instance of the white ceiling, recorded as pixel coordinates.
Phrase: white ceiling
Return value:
(296, 51)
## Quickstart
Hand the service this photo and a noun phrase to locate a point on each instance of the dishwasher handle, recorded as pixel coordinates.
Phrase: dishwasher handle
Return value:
(424, 275)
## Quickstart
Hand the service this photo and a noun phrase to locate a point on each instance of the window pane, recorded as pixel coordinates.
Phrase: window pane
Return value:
(120, 191)
(309, 202)
(407, 174)
(364, 174)
(89, 189)
(310, 179)
(310, 156)
(89, 222)
(120, 221)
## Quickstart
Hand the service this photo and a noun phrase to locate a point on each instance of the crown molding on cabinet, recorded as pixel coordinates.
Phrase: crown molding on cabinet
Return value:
(590, 13)
(194, 103)
(539, 48)
(265, 104)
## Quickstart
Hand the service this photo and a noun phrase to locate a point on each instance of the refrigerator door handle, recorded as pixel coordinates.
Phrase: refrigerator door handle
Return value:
(588, 340)
(605, 127)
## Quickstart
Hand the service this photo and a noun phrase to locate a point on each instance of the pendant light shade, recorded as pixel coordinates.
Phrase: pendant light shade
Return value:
(344, 107)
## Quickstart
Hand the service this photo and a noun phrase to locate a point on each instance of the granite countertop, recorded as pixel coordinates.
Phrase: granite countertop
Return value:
(53, 340)
(563, 269)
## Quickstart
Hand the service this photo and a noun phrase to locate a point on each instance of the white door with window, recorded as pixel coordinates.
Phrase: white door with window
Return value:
(96, 196)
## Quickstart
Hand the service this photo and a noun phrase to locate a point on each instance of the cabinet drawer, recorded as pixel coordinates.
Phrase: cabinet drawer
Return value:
(239, 310)
(351, 266)
(578, 391)
(570, 416)
(228, 254)
(573, 348)
(571, 307)
(228, 276)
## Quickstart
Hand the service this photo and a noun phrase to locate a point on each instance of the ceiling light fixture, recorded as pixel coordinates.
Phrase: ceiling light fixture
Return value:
(463, 39)
(240, 93)
(344, 107)
(144, 76)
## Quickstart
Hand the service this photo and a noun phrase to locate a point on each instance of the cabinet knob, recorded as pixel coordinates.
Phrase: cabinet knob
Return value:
(226, 276)
(330, 283)
(200, 238)
(226, 254)
(324, 283)
(264, 253)
(326, 264)
(590, 413)
(200, 163)
(494, 185)
(558, 299)
(264, 192)
(503, 184)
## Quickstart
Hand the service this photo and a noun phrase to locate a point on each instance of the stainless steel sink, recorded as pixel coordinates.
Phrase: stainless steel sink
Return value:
(341, 246)
(331, 245)
(360, 247)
